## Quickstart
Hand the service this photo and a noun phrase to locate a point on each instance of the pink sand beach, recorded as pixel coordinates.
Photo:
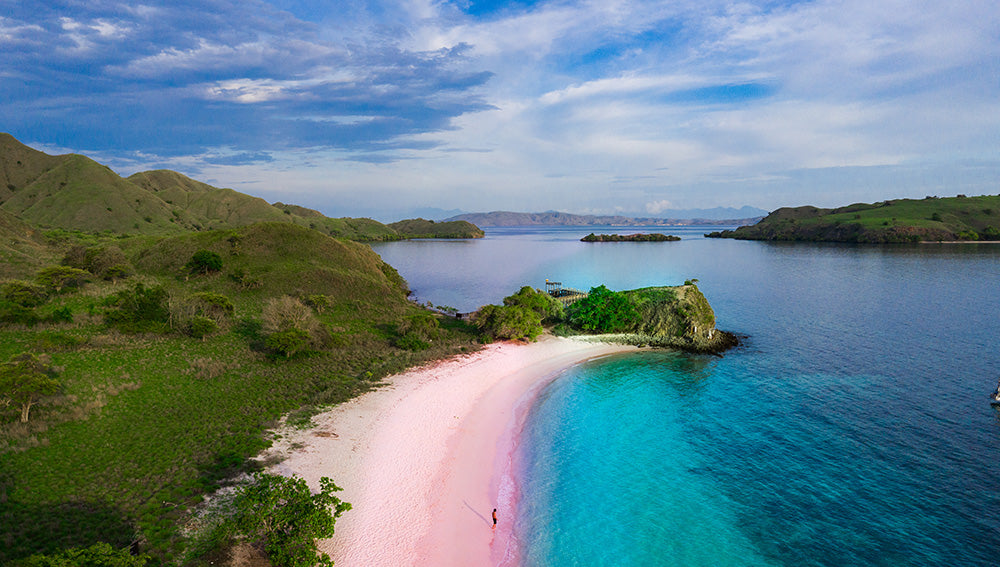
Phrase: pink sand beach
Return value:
(426, 459)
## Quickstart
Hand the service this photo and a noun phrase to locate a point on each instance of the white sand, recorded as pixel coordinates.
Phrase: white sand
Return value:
(422, 460)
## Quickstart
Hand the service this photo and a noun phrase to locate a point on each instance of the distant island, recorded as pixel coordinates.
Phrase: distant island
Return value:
(932, 219)
(629, 238)
(553, 218)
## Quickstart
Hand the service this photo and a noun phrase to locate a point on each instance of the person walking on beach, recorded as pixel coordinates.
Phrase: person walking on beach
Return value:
(494, 518)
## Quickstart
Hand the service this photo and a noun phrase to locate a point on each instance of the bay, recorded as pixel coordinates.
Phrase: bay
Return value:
(851, 428)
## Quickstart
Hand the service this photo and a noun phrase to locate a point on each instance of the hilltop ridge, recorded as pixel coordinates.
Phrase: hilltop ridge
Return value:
(74, 192)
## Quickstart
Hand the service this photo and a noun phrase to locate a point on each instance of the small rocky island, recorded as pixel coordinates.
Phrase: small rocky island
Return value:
(629, 238)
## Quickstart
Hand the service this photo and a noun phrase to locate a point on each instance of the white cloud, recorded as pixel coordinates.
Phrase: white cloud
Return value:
(657, 207)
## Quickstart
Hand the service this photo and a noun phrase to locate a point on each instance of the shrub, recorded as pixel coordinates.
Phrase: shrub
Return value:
(118, 272)
(290, 322)
(57, 278)
(318, 302)
(245, 280)
(603, 311)
(508, 322)
(16, 314)
(204, 262)
(968, 235)
(139, 309)
(546, 306)
(200, 326)
(412, 341)
(62, 315)
(23, 293)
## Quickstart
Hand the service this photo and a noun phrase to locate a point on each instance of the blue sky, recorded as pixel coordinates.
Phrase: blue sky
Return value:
(382, 107)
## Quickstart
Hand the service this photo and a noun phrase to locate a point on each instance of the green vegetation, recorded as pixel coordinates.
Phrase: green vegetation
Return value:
(895, 221)
(603, 311)
(97, 555)
(168, 382)
(24, 381)
(654, 237)
(520, 317)
(674, 317)
(420, 228)
(283, 516)
(75, 193)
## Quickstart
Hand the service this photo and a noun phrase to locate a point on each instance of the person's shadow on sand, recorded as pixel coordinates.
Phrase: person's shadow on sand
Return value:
(481, 517)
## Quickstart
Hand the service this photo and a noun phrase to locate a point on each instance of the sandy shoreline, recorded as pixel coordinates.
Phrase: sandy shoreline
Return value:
(422, 459)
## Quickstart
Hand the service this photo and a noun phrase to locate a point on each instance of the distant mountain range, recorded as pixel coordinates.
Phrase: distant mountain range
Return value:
(553, 218)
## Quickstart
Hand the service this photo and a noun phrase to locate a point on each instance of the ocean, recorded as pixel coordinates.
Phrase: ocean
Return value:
(851, 427)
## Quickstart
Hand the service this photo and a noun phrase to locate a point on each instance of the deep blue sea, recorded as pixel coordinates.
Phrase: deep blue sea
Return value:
(852, 427)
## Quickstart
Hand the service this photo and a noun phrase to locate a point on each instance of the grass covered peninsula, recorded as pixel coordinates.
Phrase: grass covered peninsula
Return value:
(932, 219)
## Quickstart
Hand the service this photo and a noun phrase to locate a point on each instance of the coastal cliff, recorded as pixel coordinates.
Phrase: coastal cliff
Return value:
(676, 317)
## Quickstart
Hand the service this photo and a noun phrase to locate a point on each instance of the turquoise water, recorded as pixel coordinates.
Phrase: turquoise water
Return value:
(851, 428)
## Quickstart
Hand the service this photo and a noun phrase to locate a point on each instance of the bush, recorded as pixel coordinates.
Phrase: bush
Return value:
(603, 311)
(285, 314)
(57, 278)
(412, 341)
(508, 322)
(118, 272)
(61, 315)
(204, 262)
(16, 314)
(546, 306)
(288, 342)
(318, 302)
(23, 293)
(200, 326)
(139, 309)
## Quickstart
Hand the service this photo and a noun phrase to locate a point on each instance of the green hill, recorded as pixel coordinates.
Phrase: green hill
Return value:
(421, 228)
(81, 194)
(894, 221)
(73, 192)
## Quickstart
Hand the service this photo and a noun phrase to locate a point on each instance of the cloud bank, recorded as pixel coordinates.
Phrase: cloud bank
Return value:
(624, 105)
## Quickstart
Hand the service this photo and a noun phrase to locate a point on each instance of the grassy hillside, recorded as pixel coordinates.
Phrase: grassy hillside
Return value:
(900, 220)
(75, 193)
(22, 248)
(81, 194)
(146, 423)
(421, 228)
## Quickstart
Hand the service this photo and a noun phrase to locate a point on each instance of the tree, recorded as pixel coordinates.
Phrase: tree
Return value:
(603, 311)
(24, 380)
(283, 515)
(203, 262)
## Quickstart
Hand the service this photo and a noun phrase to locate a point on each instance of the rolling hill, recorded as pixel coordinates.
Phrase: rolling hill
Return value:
(932, 219)
(74, 192)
